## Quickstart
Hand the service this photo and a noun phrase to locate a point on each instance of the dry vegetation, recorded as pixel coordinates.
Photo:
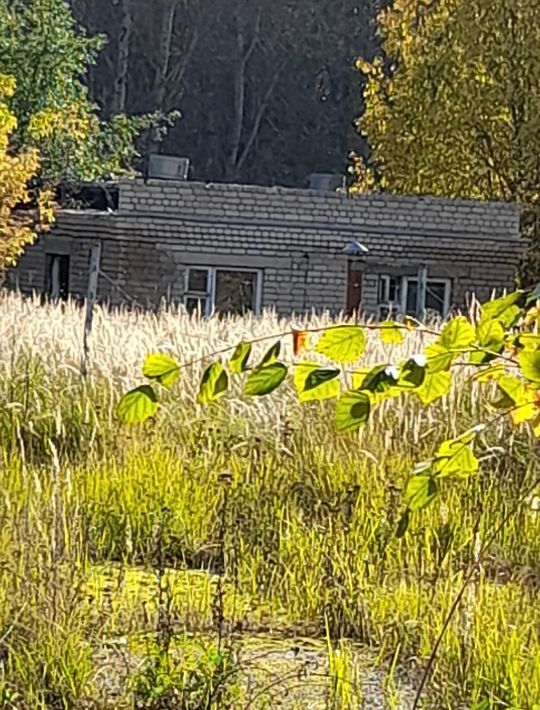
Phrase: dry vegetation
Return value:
(243, 555)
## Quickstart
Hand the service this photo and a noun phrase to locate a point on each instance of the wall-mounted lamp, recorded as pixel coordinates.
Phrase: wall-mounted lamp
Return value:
(355, 249)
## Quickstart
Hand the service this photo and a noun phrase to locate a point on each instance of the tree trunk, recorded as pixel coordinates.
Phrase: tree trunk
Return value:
(244, 53)
(162, 75)
(238, 108)
(122, 71)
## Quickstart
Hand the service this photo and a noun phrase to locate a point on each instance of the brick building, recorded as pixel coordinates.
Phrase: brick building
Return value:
(236, 248)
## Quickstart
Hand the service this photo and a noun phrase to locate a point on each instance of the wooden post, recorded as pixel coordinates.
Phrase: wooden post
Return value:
(93, 274)
(421, 292)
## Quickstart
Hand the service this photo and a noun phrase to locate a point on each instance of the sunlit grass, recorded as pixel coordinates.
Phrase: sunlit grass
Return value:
(102, 528)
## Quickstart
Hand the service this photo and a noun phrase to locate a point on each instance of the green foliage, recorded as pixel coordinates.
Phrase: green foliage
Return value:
(454, 458)
(352, 411)
(314, 383)
(457, 334)
(308, 534)
(421, 490)
(503, 347)
(49, 55)
(381, 381)
(438, 358)
(240, 358)
(265, 379)
(214, 384)
(345, 343)
(529, 362)
(162, 368)
(390, 333)
(490, 335)
(498, 308)
(272, 355)
(451, 103)
(434, 386)
(137, 406)
(411, 375)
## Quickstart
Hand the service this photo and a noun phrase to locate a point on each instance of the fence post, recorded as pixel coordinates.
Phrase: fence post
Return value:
(91, 296)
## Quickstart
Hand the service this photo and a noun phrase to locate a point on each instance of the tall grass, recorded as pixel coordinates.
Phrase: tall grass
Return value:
(109, 535)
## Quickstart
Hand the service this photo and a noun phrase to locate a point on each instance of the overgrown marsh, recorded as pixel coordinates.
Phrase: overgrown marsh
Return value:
(150, 566)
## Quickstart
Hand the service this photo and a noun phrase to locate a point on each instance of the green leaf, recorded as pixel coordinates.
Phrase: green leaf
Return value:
(352, 411)
(162, 368)
(346, 343)
(438, 358)
(457, 334)
(411, 375)
(455, 457)
(214, 383)
(489, 374)
(489, 335)
(313, 383)
(271, 355)
(422, 489)
(381, 379)
(403, 524)
(511, 390)
(390, 332)
(529, 361)
(497, 307)
(511, 316)
(265, 379)
(435, 385)
(239, 358)
(529, 341)
(137, 406)
(514, 395)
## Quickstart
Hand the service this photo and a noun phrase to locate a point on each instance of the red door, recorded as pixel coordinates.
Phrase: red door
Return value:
(354, 289)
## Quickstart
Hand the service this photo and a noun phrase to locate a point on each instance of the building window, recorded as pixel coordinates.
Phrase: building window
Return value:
(437, 296)
(389, 298)
(388, 290)
(398, 295)
(215, 290)
(57, 276)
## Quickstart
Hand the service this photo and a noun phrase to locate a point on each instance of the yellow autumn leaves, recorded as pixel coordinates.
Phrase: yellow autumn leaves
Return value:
(452, 110)
(16, 170)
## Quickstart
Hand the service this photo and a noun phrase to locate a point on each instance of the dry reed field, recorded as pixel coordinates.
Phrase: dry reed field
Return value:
(243, 555)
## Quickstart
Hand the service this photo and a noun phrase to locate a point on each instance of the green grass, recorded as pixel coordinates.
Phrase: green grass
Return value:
(146, 566)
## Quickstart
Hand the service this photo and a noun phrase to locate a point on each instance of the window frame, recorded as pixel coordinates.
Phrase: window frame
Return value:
(209, 296)
(63, 285)
(386, 307)
(387, 279)
(447, 291)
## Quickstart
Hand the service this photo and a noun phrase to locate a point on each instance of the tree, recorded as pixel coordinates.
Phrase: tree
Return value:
(267, 91)
(452, 107)
(48, 55)
(21, 209)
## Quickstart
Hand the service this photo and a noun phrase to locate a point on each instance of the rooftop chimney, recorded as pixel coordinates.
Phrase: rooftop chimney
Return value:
(327, 182)
(167, 167)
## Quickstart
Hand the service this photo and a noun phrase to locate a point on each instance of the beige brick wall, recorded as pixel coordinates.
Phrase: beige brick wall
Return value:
(295, 237)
